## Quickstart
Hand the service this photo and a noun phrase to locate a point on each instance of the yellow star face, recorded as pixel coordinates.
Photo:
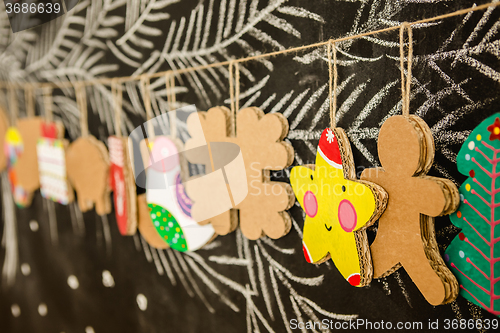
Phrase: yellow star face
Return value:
(336, 208)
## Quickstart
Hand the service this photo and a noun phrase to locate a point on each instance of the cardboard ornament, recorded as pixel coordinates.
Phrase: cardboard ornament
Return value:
(474, 252)
(338, 208)
(123, 185)
(51, 150)
(405, 235)
(121, 173)
(261, 208)
(87, 164)
(146, 226)
(20, 150)
(168, 204)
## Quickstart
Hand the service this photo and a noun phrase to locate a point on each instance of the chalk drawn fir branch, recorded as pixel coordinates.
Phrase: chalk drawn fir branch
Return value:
(483, 40)
(5, 31)
(187, 42)
(135, 24)
(266, 278)
(50, 52)
(60, 49)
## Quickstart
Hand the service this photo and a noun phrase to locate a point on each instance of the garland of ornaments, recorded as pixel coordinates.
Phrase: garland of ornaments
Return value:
(241, 147)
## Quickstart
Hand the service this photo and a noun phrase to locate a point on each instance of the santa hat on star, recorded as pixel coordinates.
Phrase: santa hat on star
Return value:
(328, 148)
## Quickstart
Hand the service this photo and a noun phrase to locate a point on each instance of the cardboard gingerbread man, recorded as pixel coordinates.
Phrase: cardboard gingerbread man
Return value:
(405, 235)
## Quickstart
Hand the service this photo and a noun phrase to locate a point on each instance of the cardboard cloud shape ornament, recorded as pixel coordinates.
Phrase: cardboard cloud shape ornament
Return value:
(338, 208)
(244, 160)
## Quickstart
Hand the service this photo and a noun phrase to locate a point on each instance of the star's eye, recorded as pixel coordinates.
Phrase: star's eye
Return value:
(312, 178)
(343, 188)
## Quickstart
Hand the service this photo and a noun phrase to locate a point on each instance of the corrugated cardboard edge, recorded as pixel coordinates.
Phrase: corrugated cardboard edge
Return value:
(381, 197)
(145, 225)
(26, 167)
(230, 218)
(427, 232)
(128, 176)
(71, 193)
(429, 241)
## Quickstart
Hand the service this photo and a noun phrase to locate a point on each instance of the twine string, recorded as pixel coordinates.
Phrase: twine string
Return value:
(13, 107)
(263, 55)
(29, 100)
(172, 114)
(405, 81)
(234, 92)
(81, 100)
(117, 95)
(47, 103)
(332, 81)
(146, 96)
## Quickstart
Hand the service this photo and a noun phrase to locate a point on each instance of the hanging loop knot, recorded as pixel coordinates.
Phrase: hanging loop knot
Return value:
(81, 101)
(47, 103)
(117, 96)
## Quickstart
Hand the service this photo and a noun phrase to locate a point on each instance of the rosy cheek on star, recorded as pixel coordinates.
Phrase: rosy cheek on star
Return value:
(347, 215)
(310, 204)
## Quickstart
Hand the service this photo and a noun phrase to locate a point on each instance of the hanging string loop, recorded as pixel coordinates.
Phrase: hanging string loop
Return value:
(47, 103)
(146, 96)
(405, 82)
(171, 99)
(332, 81)
(234, 91)
(117, 95)
(13, 107)
(29, 99)
(81, 100)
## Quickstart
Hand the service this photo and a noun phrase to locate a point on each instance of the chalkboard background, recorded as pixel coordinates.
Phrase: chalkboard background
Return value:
(234, 284)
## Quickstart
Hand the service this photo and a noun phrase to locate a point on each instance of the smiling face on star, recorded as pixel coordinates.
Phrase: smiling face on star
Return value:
(329, 201)
(335, 208)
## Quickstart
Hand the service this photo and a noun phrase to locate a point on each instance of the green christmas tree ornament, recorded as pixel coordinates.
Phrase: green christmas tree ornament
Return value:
(474, 255)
